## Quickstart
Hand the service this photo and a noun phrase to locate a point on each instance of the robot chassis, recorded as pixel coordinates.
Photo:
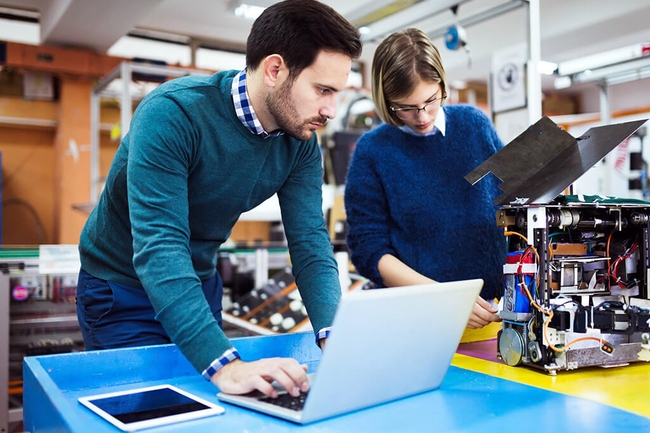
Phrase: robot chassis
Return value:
(575, 286)
(575, 282)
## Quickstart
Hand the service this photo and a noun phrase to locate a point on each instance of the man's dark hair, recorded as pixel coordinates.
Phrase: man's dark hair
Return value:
(298, 30)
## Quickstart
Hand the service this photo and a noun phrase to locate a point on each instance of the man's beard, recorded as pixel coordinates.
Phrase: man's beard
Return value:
(286, 116)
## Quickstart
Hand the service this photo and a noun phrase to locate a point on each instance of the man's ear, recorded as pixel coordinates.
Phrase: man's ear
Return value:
(274, 70)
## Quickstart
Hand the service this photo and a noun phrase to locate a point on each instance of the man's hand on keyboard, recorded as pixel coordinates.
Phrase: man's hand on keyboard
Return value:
(239, 377)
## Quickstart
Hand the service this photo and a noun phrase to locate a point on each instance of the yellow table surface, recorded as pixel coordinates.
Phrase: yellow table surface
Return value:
(625, 387)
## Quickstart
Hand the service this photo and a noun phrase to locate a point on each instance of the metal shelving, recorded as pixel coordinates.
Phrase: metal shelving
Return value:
(37, 316)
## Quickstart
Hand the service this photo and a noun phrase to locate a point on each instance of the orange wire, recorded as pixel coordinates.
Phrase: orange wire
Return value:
(548, 320)
(550, 312)
(530, 298)
(516, 234)
(566, 346)
(539, 277)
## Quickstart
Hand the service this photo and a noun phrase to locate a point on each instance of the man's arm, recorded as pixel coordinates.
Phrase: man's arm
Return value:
(310, 247)
(161, 143)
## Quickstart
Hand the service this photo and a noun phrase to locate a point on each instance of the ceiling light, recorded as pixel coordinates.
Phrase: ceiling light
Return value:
(247, 11)
(610, 67)
(20, 14)
(616, 74)
(638, 74)
(606, 58)
(612, 72)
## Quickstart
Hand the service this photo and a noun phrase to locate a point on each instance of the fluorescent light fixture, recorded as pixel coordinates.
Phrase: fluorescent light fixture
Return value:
(638, 74)
(546, 68)
(615, 74)
(611, 72)
(364, 30)
(20, 31)
(160, 36)
(610, 67)
(605, 58)
(171, 53)
(247, 11)
(20, 14)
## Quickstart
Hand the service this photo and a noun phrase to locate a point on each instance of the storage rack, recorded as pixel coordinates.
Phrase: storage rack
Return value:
(45, 322)
(126, 72)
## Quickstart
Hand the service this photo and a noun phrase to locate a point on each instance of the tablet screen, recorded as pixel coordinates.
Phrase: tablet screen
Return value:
(147, 407)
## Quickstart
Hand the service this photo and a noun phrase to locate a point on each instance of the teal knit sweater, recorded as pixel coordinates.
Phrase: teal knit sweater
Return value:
(406, 196)
(180, 179)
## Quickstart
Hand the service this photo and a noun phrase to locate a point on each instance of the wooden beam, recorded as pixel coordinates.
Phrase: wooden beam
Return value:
(81, 62)
(72, 158)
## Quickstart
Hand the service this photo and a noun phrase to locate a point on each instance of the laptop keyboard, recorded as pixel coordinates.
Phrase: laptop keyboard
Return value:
(286, 400)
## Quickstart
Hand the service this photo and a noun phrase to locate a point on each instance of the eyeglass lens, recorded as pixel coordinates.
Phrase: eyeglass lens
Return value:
(414, 111)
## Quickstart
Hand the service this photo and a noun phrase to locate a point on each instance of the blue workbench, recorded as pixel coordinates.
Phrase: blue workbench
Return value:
(467, 401)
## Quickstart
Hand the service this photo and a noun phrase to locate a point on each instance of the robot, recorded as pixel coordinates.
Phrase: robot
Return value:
(575, 281)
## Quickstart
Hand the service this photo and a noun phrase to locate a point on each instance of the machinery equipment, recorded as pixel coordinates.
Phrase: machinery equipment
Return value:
(575, 282)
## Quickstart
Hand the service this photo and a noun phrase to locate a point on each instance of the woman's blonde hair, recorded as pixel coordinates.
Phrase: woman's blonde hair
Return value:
(400, 61)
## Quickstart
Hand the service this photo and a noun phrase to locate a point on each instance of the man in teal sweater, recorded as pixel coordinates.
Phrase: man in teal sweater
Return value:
(199, 153)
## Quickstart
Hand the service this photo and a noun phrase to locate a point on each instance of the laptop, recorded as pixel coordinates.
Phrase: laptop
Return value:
(385, 344)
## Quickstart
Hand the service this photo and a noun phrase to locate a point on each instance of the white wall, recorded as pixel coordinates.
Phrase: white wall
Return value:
(610, 176)
(626, 96)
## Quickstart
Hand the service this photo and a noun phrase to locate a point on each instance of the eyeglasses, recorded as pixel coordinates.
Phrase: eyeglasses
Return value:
(412, 112)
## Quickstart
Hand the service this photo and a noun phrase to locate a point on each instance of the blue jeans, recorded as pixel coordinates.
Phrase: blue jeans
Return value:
(113, 315)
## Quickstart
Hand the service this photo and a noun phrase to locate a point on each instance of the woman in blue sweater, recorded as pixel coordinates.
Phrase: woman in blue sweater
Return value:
(412, 216)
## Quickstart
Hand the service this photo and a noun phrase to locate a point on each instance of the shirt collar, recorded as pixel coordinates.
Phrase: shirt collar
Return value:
(441, 121)
(439, 126)
(244, 109)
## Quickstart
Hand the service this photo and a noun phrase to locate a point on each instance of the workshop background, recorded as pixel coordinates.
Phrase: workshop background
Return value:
(72, 71)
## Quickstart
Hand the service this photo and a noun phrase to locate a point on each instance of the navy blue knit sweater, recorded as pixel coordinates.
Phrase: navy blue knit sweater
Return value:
(406, 195)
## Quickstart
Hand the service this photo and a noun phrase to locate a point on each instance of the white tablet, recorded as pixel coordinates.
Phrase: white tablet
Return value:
(152, 406)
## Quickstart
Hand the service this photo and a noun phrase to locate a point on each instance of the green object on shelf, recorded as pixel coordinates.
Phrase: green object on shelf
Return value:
(18, 253)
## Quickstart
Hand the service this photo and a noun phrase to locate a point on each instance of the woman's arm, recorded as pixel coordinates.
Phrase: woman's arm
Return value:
(395, 273)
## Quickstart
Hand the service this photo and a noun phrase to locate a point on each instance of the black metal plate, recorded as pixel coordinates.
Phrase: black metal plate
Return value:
(544, 160)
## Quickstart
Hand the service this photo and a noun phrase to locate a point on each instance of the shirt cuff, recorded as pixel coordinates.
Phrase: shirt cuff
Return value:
(217, 364)
(322, 334)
